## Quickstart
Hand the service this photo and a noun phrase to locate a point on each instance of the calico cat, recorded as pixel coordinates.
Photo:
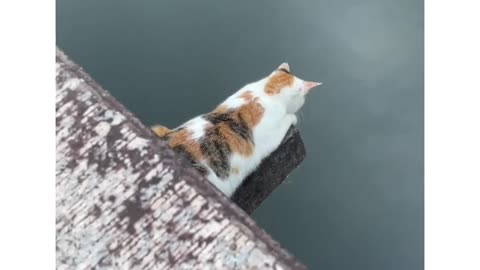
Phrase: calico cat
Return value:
(227, 144)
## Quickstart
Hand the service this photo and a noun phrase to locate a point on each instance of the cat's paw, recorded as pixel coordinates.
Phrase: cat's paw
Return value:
(292, 118)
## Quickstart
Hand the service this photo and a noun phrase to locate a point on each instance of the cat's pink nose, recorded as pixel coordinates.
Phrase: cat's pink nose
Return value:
(309, 85)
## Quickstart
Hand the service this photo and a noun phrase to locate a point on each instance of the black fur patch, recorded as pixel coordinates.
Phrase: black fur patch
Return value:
(239, 127)
(182, 151)
(217, 152)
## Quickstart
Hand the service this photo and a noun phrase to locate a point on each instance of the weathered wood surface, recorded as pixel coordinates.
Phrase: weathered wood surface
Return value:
(124, 200)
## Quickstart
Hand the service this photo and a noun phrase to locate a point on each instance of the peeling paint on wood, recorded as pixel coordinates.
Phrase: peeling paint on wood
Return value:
(124, 200)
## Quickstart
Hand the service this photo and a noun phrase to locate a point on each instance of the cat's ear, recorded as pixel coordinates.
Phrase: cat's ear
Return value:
(307, 86)
(284, 66)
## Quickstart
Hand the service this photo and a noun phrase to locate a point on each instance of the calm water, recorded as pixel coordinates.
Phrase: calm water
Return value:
(356, 202)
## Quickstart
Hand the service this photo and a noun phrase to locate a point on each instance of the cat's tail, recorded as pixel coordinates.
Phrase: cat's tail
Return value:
(160, 130)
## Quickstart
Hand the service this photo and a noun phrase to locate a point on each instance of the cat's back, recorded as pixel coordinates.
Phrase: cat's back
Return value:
(227, 143)
(213, 137)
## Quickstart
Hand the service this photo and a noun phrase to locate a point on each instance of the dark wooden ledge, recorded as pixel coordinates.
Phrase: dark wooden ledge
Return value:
(124, 200)
(271, 172)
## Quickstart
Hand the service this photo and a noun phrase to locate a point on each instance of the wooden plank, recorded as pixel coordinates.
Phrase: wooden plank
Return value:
(271, 172)
(124, 200)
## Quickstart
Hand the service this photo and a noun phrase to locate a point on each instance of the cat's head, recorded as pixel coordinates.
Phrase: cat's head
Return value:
(282, 85)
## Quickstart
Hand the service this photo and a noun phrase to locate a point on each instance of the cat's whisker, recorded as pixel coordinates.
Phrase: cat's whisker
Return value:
(300, 116)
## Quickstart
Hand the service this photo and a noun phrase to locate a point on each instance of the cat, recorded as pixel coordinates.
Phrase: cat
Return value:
(227, 144)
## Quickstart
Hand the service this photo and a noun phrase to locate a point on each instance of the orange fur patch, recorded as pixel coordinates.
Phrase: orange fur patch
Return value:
(221, 109)
(278, 81)
(160, 130)
(237, 144)
(183, 138)
(251, 113)
(247, 96)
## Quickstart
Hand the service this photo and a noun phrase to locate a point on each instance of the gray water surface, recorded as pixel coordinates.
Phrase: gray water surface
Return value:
(356, 202)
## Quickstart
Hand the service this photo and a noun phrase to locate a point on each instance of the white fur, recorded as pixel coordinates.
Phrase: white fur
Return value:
(197, 126)
(279, 115)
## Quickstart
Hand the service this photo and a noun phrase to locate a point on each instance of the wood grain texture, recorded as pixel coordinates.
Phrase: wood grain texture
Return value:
(124, 200)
